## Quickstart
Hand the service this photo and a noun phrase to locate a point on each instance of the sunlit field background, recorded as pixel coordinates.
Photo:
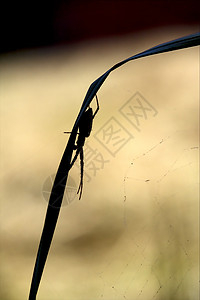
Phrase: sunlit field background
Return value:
(134, 234)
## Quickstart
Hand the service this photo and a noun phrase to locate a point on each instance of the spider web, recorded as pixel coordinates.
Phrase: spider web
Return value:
(155, 258)
(166, 275)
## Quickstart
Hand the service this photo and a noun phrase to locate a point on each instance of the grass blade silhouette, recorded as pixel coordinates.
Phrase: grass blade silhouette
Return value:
(59, 184)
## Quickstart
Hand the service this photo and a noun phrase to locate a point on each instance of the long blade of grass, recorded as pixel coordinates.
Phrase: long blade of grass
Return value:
(59, 184)
(181, 43)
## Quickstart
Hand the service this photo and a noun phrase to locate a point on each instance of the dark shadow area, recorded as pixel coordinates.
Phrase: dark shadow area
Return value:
(46, 23)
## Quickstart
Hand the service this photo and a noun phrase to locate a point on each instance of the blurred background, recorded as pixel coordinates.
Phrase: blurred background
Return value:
(134, 234)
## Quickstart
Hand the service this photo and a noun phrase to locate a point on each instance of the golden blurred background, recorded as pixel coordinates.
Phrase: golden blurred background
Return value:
(134, 234)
